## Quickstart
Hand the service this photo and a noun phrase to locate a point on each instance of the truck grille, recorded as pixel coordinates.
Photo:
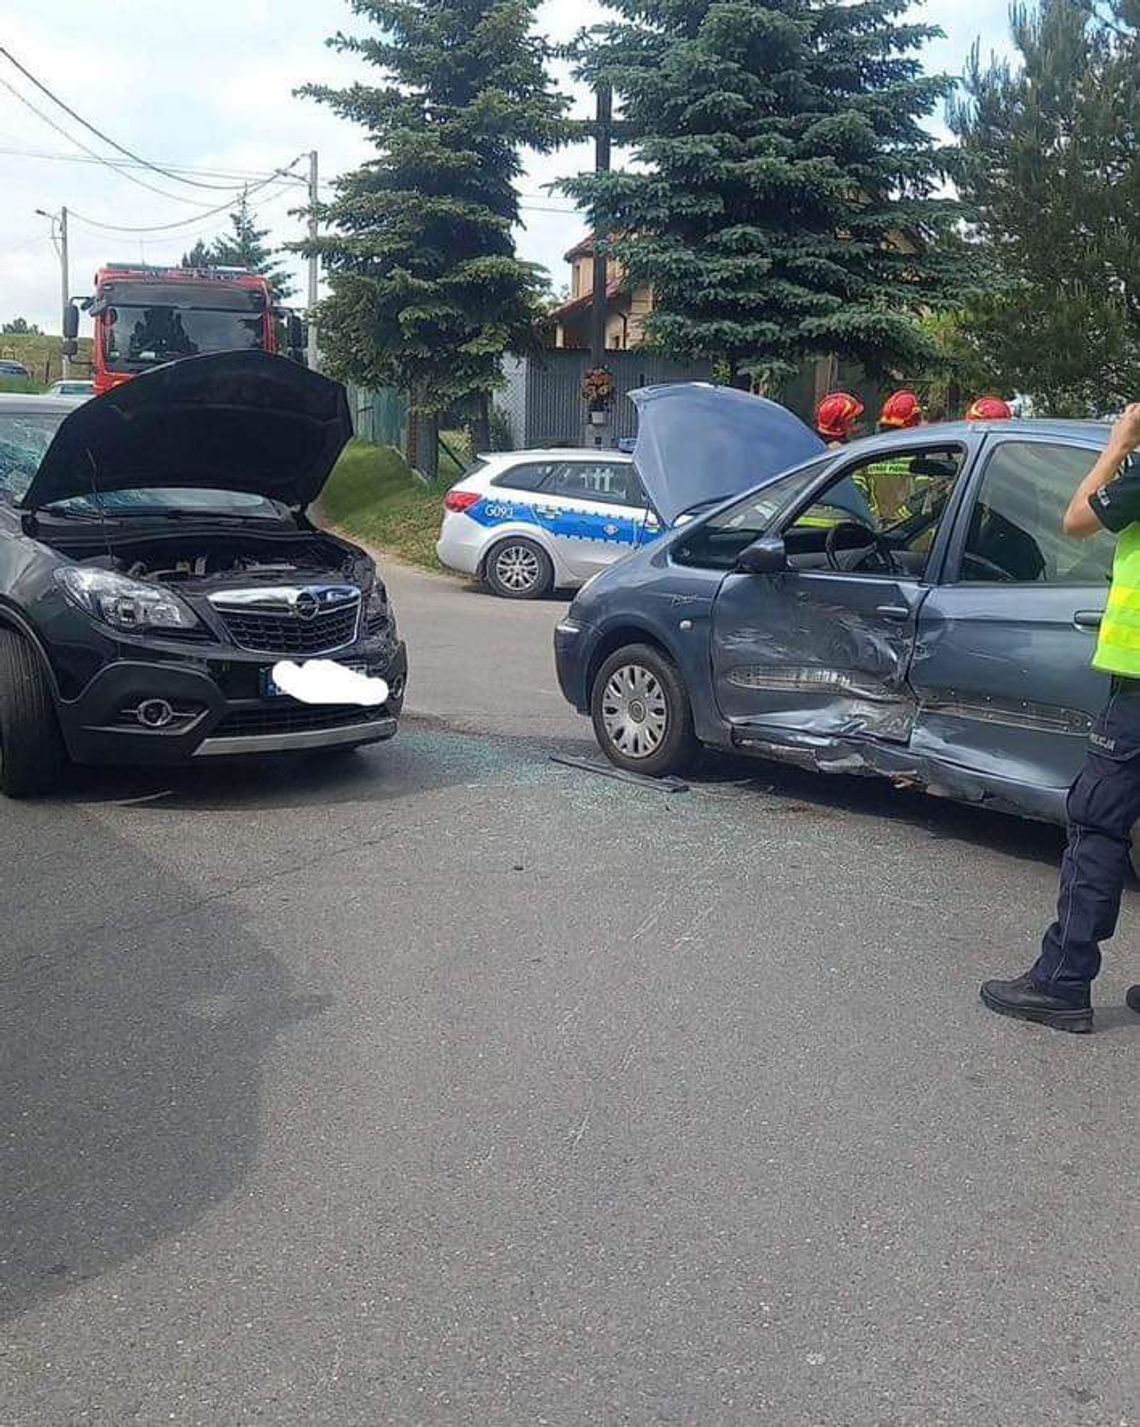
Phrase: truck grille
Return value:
(312, 620)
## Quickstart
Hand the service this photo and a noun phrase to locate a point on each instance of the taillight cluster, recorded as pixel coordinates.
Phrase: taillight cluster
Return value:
(460, 501)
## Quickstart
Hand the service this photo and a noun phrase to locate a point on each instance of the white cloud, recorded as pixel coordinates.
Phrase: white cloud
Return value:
(211, 85)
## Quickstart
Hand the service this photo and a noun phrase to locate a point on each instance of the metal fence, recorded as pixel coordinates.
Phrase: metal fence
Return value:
(379, 416)
(542, 398)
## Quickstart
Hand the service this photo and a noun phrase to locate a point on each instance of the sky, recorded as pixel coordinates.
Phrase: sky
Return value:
(210, 87)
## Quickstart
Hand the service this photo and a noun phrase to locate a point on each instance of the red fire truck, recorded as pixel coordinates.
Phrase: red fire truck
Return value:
(145, 316)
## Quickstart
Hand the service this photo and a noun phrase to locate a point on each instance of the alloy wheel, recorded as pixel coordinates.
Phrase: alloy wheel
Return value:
(517, 568)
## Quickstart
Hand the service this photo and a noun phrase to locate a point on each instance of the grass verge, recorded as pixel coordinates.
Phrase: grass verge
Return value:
(374, 498)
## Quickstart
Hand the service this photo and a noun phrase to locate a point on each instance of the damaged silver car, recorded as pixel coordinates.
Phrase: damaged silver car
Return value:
(906, 606)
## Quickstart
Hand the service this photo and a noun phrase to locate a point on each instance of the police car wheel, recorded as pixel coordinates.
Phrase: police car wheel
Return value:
(641, 714)
(518, 569)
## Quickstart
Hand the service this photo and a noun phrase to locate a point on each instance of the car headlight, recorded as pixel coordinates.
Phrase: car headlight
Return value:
(123, 603)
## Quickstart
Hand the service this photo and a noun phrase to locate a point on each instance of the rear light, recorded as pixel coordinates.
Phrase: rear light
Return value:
(459, 501)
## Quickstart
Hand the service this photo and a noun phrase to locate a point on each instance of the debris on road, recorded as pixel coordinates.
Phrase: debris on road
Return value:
(607, 770)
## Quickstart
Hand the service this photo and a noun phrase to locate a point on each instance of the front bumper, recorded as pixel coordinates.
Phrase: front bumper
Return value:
(573, 643)
(220, 709)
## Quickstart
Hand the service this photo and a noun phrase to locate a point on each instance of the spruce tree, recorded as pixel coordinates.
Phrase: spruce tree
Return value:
(1050, 162)
(243, 247)
(785, 202)
(427, 292)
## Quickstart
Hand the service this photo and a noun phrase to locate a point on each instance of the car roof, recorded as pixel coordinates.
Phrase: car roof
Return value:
(557, 453)
(1095, 431)
(20, 404)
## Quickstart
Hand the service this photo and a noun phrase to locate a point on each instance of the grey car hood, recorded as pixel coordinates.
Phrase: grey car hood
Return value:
(232, 421)
(697, 444)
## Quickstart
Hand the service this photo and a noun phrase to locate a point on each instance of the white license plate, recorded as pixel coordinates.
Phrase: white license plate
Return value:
(271, 690)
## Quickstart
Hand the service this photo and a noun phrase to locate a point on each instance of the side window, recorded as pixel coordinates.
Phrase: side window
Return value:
(1014, 532)
(715, 543)
(880, 516)
(607, 482)
(530, 477)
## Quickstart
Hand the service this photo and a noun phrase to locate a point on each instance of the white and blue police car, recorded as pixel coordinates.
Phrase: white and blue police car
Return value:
(526, 522)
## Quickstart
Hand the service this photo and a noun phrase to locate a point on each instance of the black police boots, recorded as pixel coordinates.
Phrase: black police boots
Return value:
(1027, 1002)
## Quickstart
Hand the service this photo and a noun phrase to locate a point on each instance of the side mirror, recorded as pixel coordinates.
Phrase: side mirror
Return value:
(295, 334)
(766, 556)
(70, 325)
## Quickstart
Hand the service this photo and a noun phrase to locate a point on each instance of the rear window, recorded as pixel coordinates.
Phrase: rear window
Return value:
(23, 440)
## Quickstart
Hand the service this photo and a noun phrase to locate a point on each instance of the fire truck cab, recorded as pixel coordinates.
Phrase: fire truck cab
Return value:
(146, 316)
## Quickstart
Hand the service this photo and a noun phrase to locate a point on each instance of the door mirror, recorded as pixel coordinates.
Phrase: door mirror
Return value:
(766, 556)
(296, 336)
(70, 323)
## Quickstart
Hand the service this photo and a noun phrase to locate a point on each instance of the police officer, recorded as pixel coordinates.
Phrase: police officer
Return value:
(1104, 802)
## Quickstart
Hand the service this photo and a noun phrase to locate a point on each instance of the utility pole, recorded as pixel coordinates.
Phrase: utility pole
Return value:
(314, 262)
(603, 133)
(65, 289)
(58, 223)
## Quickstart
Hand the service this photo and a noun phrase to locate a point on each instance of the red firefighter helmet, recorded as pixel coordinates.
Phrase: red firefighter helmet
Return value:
(901, 410)
(989, 408)
(837, 414)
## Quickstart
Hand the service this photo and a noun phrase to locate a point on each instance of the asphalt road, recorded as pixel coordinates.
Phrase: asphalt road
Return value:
(442, 1084)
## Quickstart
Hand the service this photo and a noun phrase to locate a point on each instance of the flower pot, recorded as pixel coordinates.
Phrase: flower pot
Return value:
(598, 418)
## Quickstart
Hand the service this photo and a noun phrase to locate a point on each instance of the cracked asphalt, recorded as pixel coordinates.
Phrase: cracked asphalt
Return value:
(444, 1084)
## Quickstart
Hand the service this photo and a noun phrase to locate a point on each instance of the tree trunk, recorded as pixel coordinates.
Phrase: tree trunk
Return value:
(481, 425)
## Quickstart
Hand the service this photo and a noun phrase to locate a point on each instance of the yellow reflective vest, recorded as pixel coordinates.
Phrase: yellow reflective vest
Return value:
(1118, 647)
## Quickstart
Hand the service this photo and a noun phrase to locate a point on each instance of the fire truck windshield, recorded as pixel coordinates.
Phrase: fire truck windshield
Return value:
(138, 337)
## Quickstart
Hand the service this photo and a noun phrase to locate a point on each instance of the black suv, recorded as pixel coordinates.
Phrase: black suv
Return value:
(156, 562)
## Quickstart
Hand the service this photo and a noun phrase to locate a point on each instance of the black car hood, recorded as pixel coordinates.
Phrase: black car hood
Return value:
(697, 444)
(232, 421)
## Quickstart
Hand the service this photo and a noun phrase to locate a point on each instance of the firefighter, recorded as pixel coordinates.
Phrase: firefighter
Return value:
(989, 408)
(887, 484)
(900, 411)
(1104, 802)
(837, 416)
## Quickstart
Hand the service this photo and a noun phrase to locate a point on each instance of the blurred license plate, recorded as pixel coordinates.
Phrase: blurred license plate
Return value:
(271, 690)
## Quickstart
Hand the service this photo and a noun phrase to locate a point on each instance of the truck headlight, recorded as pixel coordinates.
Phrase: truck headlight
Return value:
(123, 603)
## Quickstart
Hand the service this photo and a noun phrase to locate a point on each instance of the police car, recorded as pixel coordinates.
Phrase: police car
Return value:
(525, 522)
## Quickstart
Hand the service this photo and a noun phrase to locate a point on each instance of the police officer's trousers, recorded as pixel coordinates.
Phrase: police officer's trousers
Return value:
(1104, 802)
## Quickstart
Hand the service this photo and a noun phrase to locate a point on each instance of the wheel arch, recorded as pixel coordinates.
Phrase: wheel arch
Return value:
(627, 632)
(516, 530)
(13, 620)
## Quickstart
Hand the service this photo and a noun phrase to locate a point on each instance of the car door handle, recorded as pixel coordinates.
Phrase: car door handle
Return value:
(899, 613)
(1088, 618)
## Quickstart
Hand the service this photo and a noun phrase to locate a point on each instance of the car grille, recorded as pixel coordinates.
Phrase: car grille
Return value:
(284, 716)
(267, 630)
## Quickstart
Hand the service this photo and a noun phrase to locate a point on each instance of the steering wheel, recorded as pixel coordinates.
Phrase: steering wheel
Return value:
(987, 567)
(873, 541)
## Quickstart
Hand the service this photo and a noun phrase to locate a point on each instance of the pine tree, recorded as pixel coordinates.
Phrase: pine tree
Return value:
(784, 204)
(243, 247)
(427, 292)
(1050, 162)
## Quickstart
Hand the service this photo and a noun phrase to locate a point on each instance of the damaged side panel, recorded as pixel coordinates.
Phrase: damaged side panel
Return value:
(815, 654)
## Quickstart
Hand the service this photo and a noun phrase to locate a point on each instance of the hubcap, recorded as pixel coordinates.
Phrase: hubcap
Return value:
(516, 567)
(635, 713)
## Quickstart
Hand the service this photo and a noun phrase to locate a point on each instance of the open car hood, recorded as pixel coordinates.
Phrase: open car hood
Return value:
(697, 444)
(231, 421)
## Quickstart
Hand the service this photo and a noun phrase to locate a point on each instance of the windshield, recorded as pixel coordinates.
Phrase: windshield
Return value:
(140, 337)
(186, 500)
(23, 441)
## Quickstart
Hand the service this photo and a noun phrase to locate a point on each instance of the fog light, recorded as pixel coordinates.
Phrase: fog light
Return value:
(396, 687)
(154, 713)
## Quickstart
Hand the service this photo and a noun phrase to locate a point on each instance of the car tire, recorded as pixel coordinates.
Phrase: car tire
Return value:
(518, 569)
(641, 714)
(32, 755)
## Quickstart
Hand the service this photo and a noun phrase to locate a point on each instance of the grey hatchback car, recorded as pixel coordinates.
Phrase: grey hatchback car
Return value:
(906, 606)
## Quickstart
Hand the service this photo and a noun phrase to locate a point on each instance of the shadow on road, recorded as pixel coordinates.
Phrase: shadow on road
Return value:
(130, 1062)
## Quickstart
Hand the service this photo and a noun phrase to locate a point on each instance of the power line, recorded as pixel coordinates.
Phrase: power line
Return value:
(170, 227)
(93, 156)
(114, 144)
(237, 176)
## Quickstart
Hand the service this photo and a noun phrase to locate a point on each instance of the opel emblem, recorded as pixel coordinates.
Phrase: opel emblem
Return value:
(306, 605)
